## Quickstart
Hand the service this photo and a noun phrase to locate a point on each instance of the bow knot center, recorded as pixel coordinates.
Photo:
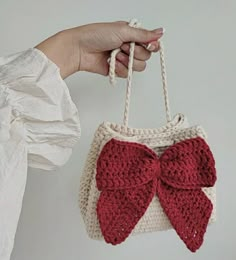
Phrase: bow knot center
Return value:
(158, 169)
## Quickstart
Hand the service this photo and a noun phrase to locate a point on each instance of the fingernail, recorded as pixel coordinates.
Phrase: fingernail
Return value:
(159, 30)
(150, 47)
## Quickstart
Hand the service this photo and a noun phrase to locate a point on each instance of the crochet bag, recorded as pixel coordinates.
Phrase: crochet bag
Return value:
(145, 180)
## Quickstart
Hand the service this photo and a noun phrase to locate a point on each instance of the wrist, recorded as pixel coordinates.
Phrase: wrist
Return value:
(61, 49)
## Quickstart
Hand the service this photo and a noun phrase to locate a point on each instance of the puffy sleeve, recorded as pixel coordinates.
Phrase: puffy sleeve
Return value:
(33, 92)
(39, 125)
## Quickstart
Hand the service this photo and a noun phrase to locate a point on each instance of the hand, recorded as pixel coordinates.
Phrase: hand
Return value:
(87, 47)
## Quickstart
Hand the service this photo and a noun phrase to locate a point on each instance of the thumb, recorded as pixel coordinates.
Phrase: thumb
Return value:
(141, 35)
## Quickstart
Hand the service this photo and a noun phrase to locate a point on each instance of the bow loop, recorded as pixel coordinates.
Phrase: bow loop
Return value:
(188, 165)
(123, 165)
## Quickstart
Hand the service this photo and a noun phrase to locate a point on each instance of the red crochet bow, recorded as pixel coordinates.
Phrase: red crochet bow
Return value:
(129, 174)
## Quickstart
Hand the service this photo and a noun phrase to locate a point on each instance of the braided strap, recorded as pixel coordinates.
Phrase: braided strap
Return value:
(134, 23)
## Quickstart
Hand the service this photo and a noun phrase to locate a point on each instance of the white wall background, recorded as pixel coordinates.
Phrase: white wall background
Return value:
(200, 46)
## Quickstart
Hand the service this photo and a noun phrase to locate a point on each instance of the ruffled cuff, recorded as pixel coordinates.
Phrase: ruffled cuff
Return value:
(5, 115)
(33, 92)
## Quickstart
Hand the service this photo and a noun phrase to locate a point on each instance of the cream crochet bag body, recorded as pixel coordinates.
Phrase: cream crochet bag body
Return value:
(159, 139)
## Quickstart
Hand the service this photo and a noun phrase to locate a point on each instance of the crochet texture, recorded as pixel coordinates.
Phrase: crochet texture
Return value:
(129, 174)
(159, 140)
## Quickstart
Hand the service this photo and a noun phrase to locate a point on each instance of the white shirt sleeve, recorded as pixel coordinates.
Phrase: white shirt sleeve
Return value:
(39, 125)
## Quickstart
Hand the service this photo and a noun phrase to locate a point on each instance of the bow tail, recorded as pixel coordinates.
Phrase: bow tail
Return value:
(188, 211)
(119, 211)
